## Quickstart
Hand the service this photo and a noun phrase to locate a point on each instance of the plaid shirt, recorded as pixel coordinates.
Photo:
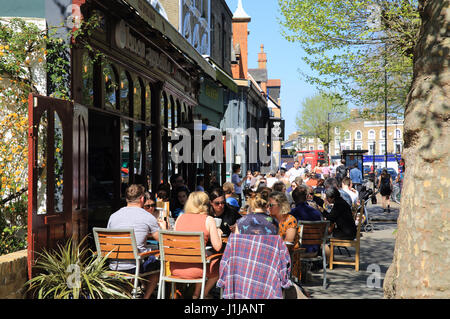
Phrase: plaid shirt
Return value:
(254, 267)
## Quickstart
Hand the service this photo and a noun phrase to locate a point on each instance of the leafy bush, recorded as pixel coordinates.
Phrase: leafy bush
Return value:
(13, 225)
(76, 273)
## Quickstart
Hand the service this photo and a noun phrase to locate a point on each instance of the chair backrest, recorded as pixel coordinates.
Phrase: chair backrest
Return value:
(116, 243)
(179, 246)
(313, 232)
(361, 214)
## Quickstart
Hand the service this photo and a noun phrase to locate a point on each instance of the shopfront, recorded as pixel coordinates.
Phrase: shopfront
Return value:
(138, 87)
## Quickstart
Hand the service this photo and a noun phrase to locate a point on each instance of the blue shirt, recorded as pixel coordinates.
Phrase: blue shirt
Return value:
(303, 211)
(356, 176)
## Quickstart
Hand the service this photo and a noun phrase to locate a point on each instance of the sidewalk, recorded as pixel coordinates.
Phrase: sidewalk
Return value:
(377, 249)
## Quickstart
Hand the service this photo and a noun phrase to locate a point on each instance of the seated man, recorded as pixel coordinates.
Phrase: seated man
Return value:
(144, 224)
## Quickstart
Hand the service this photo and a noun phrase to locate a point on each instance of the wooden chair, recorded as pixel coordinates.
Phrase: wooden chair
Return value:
(335, 242)
(184, 247)
(314, 233)
(120, 244)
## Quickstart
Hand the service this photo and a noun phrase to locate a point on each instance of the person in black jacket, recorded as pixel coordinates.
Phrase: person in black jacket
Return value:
(221, 209)
(341, 217)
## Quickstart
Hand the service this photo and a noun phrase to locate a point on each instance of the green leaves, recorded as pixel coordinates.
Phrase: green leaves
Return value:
(347, 42)
(320, 112)
(70, 272)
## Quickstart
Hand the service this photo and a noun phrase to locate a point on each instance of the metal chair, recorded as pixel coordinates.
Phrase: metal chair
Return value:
(184, 247)
(314, 233)
(120, 244)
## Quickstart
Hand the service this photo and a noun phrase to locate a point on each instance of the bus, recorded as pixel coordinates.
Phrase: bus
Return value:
(313, 157)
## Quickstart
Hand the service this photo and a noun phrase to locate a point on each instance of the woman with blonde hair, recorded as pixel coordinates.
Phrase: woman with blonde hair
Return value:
(258, 221)
(279, 209)
(194, 219)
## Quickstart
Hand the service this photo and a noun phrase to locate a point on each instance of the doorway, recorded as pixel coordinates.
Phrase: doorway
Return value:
(104, 168)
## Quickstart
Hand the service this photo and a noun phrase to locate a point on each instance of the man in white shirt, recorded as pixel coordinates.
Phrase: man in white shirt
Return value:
(295, 171)
(347, 187)
(144, 224)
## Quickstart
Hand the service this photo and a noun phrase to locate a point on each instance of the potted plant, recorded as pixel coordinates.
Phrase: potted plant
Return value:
(70, 272)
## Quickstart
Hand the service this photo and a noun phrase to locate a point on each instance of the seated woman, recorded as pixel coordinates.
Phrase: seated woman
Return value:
(180, 198)
(258, 221)
(220, 209)
(279, 209)
(194, 219)
(341, 217)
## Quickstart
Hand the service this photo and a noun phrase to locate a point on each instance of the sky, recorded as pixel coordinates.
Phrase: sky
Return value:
(283, 57)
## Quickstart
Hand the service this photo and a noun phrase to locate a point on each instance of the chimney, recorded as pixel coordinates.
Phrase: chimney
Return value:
(262, 58)
(240, 37)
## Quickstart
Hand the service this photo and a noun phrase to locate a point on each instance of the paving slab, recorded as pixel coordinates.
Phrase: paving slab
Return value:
(376, 253)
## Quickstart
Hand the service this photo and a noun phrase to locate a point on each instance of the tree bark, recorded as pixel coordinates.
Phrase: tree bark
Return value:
(420, 266)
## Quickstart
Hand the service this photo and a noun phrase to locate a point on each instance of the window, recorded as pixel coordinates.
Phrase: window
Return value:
(137, 99)
(398, 134)
(337, 131)
(124, 93)
(110, 81)
(87, 89)
(358, 135)
(382, 133)
(148, 104)
(371, 135)
(372, 149)
(398, 148)
(382, 148)
(347, 135)
(320, 147)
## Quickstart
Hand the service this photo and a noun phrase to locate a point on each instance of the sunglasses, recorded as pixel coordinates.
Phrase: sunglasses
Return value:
(272, 205)
(218, 203)
(148, 206)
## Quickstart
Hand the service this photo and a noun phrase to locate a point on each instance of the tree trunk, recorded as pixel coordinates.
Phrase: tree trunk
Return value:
(420, 267)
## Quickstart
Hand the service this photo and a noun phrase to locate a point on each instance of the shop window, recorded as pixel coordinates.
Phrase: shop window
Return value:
(137, 99)
(137, 157)
(177, 113)
(148, 104)
(148, 161)
(170, 115)
(124, 155)
(111, 87)
(163, 110)
(124, 94)
(87, 74)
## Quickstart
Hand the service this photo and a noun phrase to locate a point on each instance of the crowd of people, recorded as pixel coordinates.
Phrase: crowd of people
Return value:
(257, 204)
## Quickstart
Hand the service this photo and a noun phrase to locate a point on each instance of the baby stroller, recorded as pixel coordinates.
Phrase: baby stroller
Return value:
(367, 195)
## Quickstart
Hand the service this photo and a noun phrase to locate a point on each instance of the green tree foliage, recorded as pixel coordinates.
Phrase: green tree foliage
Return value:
(350, 43)
(319, 113)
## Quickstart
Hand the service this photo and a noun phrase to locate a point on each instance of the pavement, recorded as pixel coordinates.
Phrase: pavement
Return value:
(376, 253)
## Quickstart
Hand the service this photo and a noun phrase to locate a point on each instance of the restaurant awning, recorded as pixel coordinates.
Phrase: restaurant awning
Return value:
(223, 77)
